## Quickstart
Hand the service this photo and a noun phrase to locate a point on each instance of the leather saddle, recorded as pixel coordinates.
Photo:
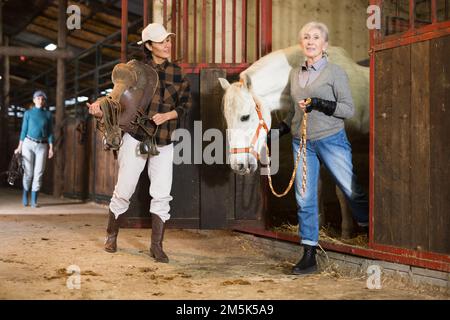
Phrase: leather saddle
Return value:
(135, 84)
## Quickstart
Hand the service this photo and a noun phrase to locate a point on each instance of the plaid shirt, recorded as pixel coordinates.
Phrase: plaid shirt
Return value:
(173, 93)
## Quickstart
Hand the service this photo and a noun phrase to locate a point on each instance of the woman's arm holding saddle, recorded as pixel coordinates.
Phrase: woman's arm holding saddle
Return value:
(95, 109)
(97, 112)
(160, 118)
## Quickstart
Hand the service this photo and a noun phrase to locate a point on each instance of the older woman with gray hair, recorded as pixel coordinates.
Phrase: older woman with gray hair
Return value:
(321, 89)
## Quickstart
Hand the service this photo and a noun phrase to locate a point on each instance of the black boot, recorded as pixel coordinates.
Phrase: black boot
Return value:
(156, 248)
(308, 262)
(111, 232)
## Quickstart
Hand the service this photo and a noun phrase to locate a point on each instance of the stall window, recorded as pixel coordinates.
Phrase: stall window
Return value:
(443, 10)
(422, 13)
(395, 14)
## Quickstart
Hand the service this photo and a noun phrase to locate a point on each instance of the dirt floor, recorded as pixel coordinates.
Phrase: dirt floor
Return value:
(36, 250)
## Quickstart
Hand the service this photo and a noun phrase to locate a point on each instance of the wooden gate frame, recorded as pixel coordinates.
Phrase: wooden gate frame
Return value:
(378, 43)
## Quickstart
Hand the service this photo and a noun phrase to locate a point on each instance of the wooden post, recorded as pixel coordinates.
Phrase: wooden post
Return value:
(124, 39)
(60, 106)
(4, 108)
(216, 180)
(266, 27)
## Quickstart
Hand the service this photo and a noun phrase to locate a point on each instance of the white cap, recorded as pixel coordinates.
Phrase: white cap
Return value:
(154, 32)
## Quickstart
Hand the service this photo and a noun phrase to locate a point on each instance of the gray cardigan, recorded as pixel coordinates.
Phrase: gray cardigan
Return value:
(331, 84)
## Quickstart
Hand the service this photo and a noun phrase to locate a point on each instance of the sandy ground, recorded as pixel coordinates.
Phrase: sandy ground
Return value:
(36, 250)
(38, 246)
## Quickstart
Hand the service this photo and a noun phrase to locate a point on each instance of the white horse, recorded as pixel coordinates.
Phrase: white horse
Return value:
(264, 88)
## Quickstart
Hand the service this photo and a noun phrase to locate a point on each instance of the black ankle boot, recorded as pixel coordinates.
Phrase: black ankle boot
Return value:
(308, 263)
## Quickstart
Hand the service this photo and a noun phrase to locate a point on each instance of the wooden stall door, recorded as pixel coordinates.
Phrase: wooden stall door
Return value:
(412, 154)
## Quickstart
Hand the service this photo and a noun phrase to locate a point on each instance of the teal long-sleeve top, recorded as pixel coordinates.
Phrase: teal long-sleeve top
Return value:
(37, 124)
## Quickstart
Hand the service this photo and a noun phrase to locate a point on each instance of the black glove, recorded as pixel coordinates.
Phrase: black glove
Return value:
(283, 129)
(325, 106)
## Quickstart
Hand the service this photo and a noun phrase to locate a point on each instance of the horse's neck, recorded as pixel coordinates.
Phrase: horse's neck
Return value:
(269, 76)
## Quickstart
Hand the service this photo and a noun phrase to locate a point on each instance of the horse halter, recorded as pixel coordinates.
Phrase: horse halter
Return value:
(262, 125)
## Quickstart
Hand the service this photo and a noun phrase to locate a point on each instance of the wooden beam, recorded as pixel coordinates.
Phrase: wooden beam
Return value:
(77, 33)
(3, 109)
(53, 35)
(36, 52)
(99, 27)
(108, 19)
(58, 183)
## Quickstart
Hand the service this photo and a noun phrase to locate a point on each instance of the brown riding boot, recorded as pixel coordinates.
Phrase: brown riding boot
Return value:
(156, 249)
(111, 233)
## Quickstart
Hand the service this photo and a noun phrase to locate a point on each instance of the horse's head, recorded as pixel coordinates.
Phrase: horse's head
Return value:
(247, 125)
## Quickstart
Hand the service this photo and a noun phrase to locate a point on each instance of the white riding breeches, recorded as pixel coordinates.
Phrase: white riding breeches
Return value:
(131, 164)
(34, 157)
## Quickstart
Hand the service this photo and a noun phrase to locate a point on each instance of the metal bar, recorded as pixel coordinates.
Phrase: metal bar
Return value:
(399, 255)
(412, 14)
(195, 31)
(179, 52)
(266, 27)
(433, 11)
(174, 27)
(203, 60)
(185, 31)
(233, 39)
(194, 68)
(426, 33)
(124, 33)
(224, 34)
(258, 28)
(373, 41)
(145, 8)
(165, 13)
(213, 40)
(244, 31)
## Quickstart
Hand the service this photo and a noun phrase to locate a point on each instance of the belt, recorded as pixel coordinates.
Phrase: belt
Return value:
(137, 136)
(36, 140)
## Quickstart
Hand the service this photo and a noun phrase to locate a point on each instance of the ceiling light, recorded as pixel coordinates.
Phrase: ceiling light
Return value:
(50, 47)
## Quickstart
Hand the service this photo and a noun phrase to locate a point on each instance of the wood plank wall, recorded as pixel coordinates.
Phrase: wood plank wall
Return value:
(412, 139)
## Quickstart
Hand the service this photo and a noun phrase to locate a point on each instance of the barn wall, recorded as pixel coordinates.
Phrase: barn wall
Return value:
(346, 20)
(411, 151)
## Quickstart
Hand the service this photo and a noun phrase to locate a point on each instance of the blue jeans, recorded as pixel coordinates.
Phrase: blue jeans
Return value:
(335, 153)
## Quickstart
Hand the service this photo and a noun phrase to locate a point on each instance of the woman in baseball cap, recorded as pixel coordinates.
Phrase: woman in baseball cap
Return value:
(171, 101)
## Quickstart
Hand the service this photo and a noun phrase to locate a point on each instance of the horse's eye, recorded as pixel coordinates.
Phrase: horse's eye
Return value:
(245, 118)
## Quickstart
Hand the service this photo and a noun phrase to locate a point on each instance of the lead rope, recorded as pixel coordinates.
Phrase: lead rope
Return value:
(300, 153)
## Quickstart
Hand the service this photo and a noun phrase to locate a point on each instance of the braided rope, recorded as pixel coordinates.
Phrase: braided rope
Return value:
(112, 135)
(300, 153)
